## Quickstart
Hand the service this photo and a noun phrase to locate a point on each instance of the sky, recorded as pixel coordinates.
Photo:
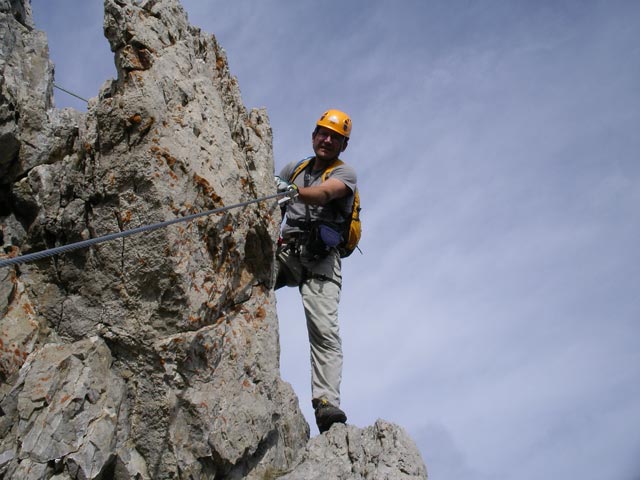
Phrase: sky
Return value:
(495, 311)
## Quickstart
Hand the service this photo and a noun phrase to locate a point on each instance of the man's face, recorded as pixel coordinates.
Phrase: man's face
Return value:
(327, 144)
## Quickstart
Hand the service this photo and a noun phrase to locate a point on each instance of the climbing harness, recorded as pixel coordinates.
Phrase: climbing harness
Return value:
(286, 196)
(297, 247)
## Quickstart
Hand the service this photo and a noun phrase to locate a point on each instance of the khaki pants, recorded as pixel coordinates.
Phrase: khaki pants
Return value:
(319, 283)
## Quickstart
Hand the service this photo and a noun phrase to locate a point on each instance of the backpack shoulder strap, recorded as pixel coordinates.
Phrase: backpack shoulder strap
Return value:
(302, 164)
(335, 164)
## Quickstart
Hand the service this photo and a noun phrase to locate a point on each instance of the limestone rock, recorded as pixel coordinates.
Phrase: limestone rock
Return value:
(155, 356)
(380, 452)
(67, 402)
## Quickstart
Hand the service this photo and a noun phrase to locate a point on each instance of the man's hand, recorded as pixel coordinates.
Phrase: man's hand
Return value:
(292, 191)
(289, 189)
(281, 185)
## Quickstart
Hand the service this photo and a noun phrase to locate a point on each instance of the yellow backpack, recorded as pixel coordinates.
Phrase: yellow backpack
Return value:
(352, 228)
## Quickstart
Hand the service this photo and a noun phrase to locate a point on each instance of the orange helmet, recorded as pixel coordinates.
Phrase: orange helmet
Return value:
(337, 121)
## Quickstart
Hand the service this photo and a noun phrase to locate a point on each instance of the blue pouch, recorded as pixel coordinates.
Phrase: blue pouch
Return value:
(329, 236)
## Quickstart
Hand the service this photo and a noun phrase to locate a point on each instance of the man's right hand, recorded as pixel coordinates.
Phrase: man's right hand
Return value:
(281, 185)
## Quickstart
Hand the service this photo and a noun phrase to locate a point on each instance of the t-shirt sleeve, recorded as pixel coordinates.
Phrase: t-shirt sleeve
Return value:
(346, 175)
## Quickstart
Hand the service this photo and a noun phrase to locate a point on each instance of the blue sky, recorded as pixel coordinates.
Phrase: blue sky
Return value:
(495, 313)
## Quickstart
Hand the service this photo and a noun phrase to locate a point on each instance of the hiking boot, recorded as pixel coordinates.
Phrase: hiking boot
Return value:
(327, 414)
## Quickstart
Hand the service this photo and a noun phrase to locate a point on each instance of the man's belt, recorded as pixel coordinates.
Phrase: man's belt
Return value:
(303, 224)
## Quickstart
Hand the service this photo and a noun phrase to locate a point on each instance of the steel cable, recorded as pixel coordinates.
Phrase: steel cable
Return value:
(29, 257)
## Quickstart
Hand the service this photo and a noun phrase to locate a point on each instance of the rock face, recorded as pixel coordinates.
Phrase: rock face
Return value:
(155, 356)
(381, 452)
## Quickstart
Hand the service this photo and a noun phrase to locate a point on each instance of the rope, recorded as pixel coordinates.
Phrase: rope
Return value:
(70, 93)
(126, 233)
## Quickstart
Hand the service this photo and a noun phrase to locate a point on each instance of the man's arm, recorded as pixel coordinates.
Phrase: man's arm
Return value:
(322, 194)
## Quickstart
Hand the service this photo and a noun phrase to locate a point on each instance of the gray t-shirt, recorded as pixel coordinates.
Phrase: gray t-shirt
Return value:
(336, 211)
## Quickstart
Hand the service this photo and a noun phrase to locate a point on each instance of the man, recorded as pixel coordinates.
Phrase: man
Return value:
(309, 258)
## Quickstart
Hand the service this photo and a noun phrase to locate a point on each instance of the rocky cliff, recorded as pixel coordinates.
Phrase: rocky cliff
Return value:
(153, 356)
